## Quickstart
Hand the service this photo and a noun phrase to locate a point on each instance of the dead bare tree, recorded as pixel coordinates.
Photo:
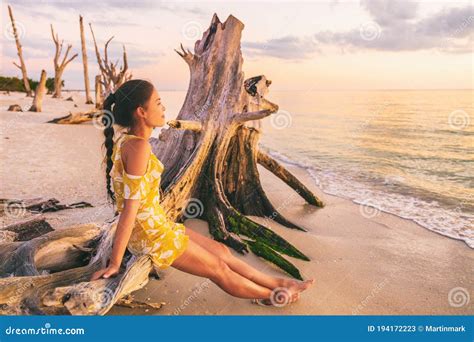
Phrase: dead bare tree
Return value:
(84, 62)
(39, 94)
(59, 66)
(112, 77)
(210, 157)
(98, 92)
(22, 65)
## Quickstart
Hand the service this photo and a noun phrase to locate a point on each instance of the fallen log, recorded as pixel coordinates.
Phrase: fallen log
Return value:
(78, 118)
(36, 205)
(50, 274)
(28, 229)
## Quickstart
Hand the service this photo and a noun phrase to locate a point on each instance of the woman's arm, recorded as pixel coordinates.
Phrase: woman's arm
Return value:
(135, 157)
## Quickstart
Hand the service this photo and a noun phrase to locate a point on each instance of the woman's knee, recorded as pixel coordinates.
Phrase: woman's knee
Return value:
(220, 270)
(224, 251)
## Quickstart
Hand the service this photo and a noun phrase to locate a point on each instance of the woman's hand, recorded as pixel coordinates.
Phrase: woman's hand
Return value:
(106, 272)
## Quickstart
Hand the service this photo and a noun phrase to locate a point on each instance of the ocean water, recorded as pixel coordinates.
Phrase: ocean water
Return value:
(406, 152)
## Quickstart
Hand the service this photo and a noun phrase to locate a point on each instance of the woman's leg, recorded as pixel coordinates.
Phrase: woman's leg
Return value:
(241, 267)
(198, 261)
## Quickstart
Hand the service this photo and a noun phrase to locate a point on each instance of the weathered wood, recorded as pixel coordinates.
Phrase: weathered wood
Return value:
(22, 65)
(51, 273)
(97, 297)
(84, 61)
(39, 94)
(184, 124)
(52, 252)
(281, 172)
(214, 167)
(112, 77)
(39, 205)
(28, 229)
(59, 66)
(15, 108)
(130, 302)
(98, 92)
(77, 118)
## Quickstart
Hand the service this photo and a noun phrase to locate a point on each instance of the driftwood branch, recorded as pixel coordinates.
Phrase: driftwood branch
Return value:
(281, 172)
(185, 124)
(249, 116)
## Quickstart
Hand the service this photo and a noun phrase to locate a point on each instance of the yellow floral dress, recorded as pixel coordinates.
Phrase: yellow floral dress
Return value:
(153, 233)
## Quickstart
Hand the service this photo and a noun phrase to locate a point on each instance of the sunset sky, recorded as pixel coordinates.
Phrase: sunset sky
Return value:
(307, 45)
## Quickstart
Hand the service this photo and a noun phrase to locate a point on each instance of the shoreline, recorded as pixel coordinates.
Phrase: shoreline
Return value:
(366, 205)
(385, 265)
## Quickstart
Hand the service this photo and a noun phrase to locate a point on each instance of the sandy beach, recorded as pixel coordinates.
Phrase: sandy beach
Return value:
(377, 265)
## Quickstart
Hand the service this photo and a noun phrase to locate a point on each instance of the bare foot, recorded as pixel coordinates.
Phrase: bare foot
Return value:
(279, 298)
(287, 293)
(298, 285)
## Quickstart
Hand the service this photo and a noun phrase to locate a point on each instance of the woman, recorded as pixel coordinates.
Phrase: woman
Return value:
(143, 227)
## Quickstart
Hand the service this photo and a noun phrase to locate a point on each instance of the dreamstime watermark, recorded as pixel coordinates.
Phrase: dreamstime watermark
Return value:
(103, 119)
(458, 297)
(281, 119)
(286, 203)
(103, 296)
(451, 39)
(368, 209)
(200, 288)
(192, 30)
(373, 293)
(280, 296)
(18, 293)
(46, 330)
(194, 208)
(9, 34)
(459, 119)
(14, 209)
(370, 30)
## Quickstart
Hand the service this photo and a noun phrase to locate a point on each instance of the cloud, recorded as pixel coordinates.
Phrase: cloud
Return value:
(395, 27)
(35, 47)
(104, 7)
(387, 12)
(289, 47)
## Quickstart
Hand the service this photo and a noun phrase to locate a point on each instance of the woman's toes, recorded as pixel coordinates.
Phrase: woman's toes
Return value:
(307, 283)
(295, 297)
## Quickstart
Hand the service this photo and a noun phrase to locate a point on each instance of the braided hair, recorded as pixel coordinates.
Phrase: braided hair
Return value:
(118, 108)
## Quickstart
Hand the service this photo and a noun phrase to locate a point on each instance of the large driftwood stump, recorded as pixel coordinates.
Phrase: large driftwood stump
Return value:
(210, 156)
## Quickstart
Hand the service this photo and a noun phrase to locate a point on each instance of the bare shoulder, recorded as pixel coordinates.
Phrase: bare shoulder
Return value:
(135, 156)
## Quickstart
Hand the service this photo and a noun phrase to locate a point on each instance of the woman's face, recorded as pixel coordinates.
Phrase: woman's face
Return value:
(155, 110)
